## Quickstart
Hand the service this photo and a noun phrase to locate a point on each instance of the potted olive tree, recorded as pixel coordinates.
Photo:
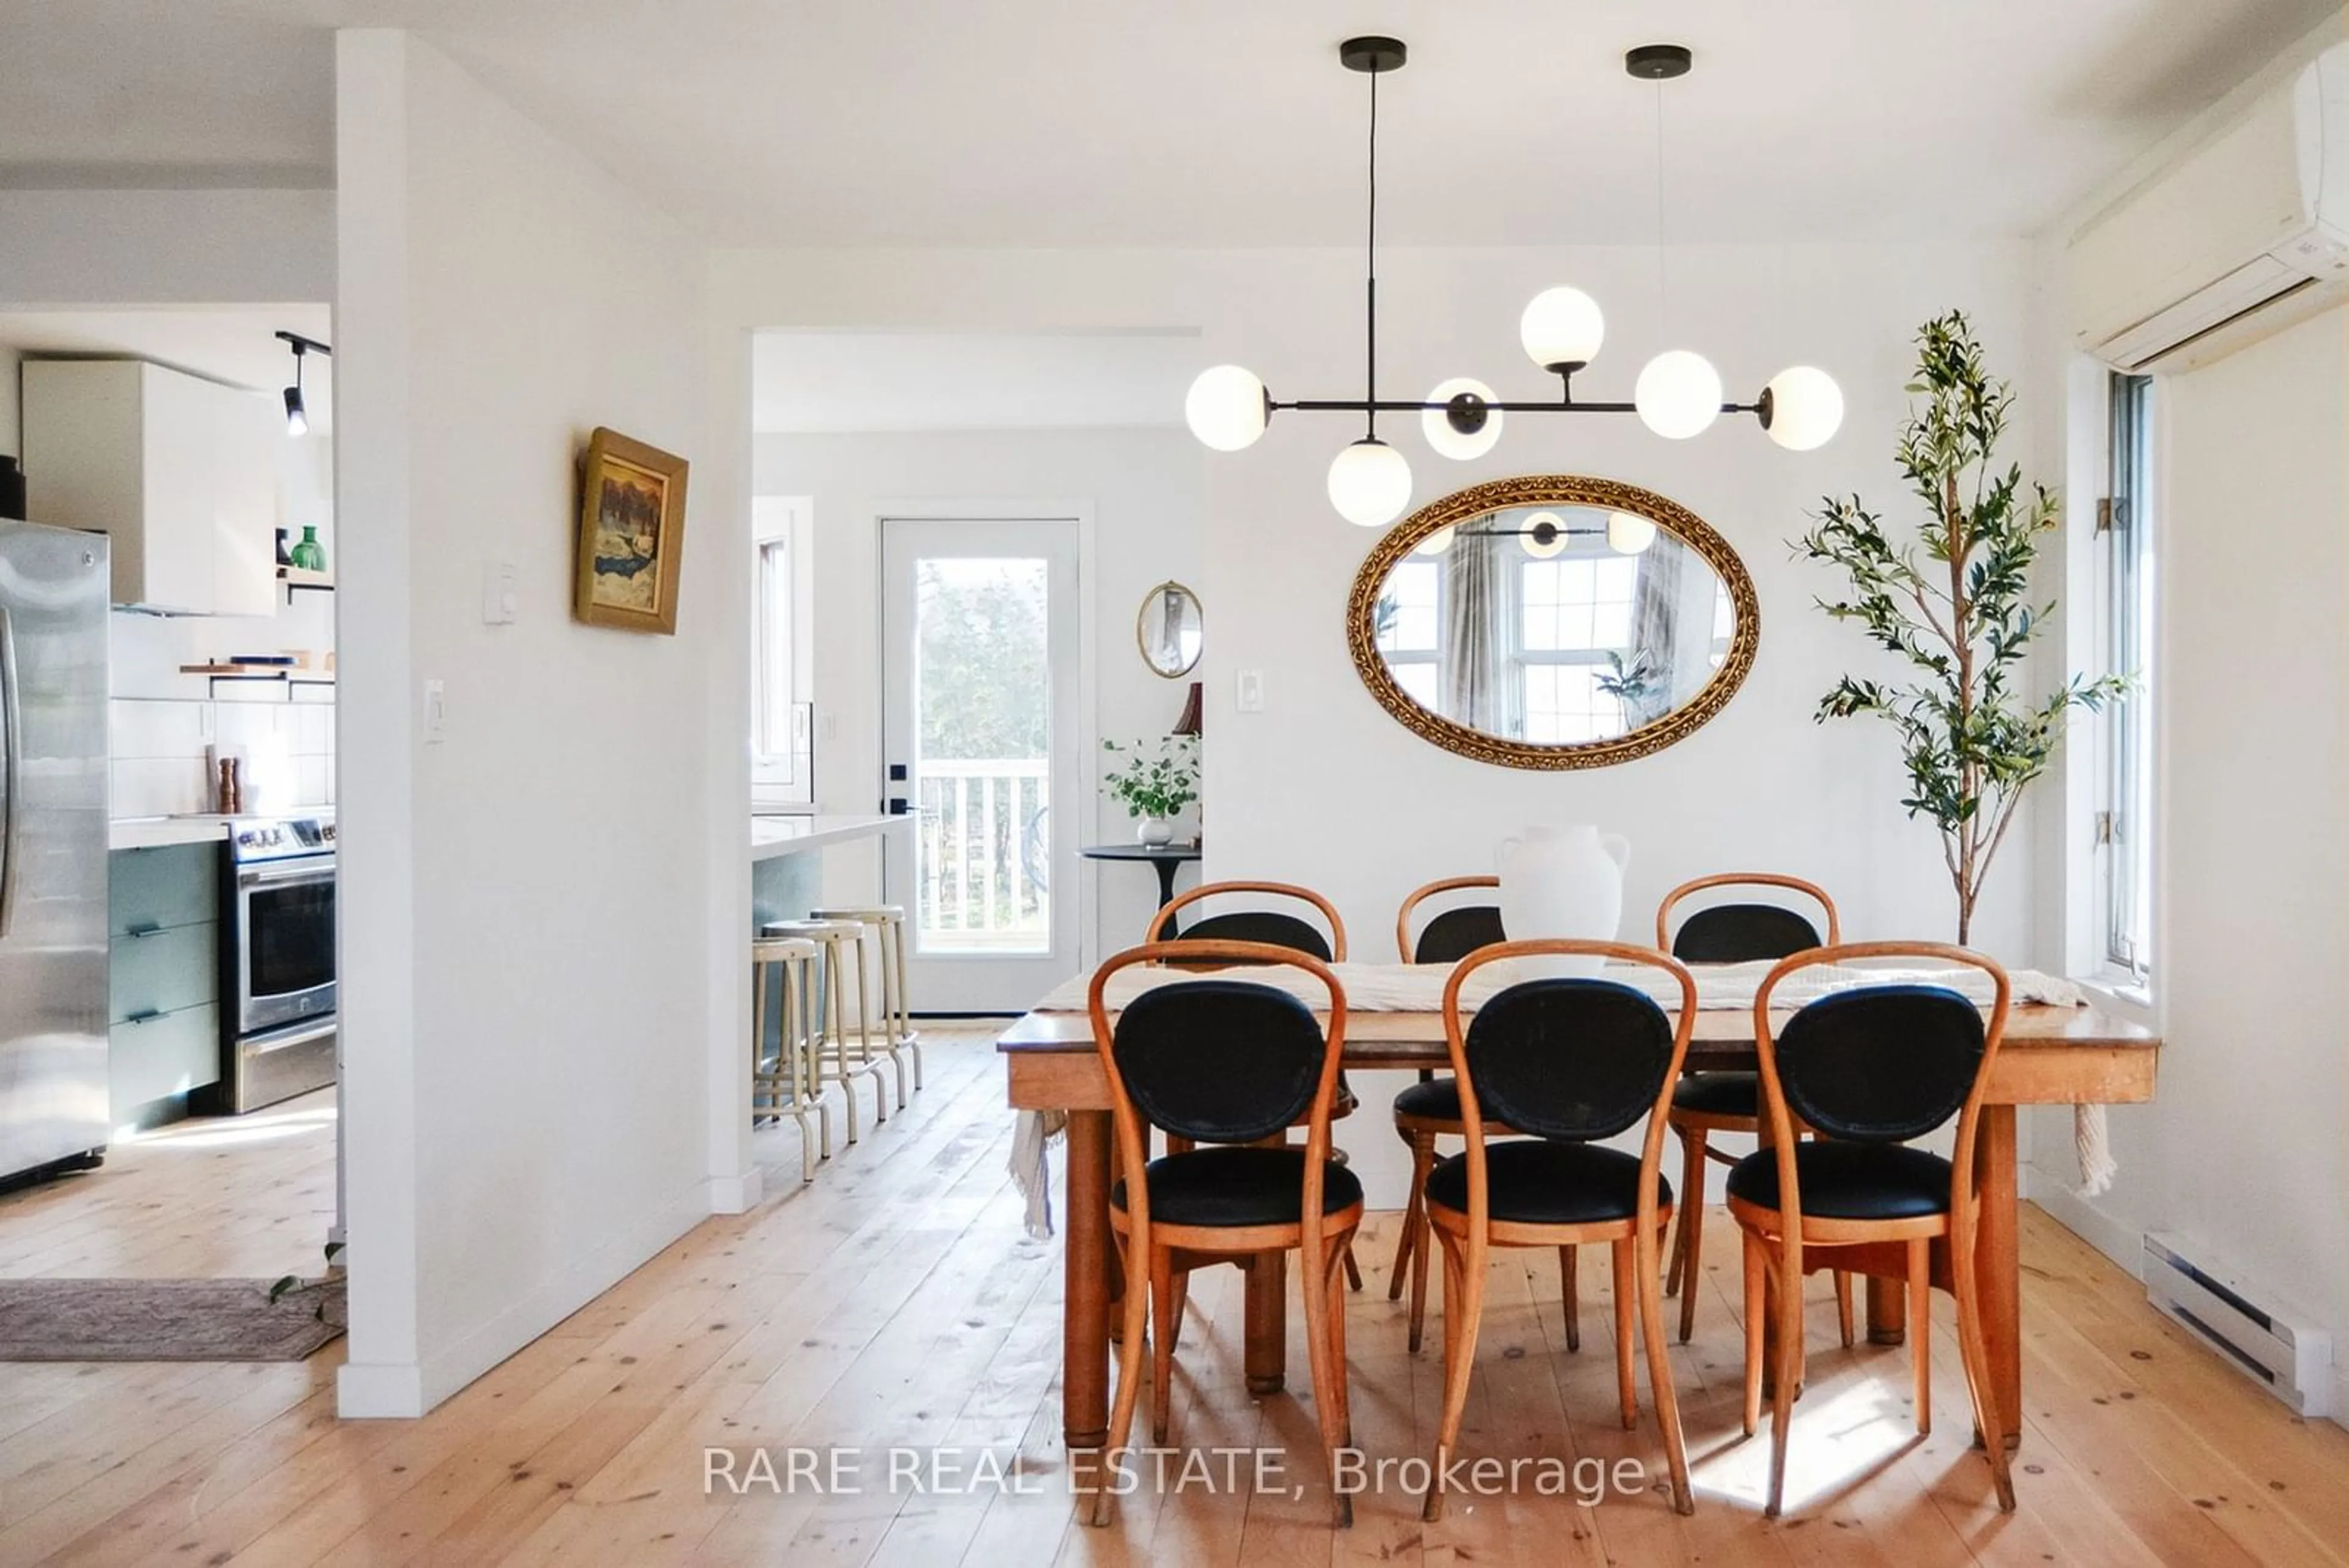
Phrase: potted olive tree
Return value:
(1955, 603)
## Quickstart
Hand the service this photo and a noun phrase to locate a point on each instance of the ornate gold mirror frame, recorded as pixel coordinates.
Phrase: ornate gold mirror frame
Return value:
(1552, 490)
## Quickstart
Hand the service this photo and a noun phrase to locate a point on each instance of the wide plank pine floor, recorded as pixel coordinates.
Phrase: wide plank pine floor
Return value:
(898, 1303)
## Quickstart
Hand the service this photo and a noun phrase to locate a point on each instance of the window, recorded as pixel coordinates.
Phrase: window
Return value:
(2125, 820)
(1409, 614)
(782, 749)
(1575, 611)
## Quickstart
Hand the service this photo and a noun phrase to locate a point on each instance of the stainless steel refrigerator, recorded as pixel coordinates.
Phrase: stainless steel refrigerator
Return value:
(53, 828)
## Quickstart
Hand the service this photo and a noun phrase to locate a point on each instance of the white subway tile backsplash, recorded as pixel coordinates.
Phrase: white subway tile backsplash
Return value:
(310, 781)
(248, 725)
(161, 786)
(158, 729)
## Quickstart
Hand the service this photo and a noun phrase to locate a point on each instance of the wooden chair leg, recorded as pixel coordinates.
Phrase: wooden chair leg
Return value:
(1782, 1397)
(1421, 1246)
(1627, 1386)
(1408, 1239)
(1570, 1295)
(1920, 1327)
(1842, 1306)
(1182, 1302)
(1975, 1352)
(1129, 1387)
(1758, 1279)
(1353, 1269)
(1316, 1275)
(1463, 1307)
(1692, 1231)
(1660, 1376)
(1161, 1342)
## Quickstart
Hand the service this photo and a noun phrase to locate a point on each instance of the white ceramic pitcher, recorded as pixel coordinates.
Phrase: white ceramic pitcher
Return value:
(1562, 882)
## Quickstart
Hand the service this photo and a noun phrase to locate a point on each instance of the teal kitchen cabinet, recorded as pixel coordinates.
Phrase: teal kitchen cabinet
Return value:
(163, 978)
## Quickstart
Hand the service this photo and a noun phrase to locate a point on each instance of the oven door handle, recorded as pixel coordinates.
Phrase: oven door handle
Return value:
(282, 876)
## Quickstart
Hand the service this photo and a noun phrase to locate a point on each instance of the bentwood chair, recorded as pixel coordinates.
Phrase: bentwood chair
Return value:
(1871, 1069)
(1229, 1065)
(1430, 1108)
(1708, 1103)
(1568, 1062)
(1276, 928)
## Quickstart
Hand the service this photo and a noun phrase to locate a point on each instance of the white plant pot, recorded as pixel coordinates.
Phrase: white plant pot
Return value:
(1562, 882)
(1154, 831)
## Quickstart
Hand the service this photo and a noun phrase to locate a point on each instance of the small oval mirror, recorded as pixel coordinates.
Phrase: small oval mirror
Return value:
(1169, 629)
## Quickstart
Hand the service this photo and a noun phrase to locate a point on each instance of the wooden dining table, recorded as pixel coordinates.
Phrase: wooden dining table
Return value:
(2052, 1056)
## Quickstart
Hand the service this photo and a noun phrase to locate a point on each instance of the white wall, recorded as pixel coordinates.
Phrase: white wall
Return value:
(527, 992)
(2241, 1152)
(1142, 487)
(165, 247)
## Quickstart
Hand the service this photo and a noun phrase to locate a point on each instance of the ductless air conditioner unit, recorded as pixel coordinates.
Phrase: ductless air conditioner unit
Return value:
(2243, 237)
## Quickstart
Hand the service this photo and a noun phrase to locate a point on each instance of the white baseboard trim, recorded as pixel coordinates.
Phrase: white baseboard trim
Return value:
(411, 1389)
(2052, 1190)
(737, 1194)
(2340, 1416)
(365, 1392)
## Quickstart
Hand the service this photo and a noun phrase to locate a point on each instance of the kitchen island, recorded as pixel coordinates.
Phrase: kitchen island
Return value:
(788, 862)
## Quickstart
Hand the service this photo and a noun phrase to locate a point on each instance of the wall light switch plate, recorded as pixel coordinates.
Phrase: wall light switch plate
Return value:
(435, 712)
(500, 594)
(1251, 690)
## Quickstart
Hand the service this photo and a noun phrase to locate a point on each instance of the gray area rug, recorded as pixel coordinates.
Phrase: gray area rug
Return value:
(164, 1320)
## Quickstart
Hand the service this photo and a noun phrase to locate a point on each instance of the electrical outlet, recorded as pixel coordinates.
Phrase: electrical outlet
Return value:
(1251, 690)
(500, 594)
(435, 712)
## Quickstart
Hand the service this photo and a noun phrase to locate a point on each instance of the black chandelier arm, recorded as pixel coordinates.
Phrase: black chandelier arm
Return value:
(1392, 406)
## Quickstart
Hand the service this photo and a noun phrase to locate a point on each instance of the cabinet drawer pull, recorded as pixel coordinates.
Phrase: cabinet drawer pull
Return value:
(144, 928)
(145, 1015)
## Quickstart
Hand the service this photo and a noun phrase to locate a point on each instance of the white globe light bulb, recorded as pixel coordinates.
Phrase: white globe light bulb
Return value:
(1370, 483)
(1435, 543)
(1539, 547)
(1628, 535)
(1225, 407)
(1447, 439)
(1805, 408)
(1562, 326)
(1678, 395)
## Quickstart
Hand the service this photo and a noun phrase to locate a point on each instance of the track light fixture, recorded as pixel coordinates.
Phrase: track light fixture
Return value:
(297, 416)
(1679, 393)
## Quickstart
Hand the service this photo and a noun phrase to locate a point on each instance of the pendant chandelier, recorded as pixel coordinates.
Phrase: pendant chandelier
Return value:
(1677, 394)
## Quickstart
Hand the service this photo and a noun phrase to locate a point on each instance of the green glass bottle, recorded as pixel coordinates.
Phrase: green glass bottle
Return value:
(309, 555)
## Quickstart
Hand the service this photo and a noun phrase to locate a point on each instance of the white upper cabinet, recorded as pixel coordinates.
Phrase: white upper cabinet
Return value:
(183, 473)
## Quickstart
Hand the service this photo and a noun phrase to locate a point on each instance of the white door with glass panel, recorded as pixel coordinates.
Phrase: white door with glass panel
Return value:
(980, 627)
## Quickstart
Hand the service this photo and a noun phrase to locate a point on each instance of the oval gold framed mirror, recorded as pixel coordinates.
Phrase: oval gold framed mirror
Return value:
(1553, 621)
(1170, 628)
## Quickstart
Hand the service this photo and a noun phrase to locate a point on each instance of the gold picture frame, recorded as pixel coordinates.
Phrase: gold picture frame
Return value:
(1552, 490)
(631, 534)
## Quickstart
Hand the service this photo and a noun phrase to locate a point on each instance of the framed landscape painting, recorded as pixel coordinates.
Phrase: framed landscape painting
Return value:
(631, 533)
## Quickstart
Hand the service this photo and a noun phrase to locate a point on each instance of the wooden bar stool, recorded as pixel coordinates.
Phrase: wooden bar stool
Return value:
(886, 923)
(834, 1047)
(785, 1085)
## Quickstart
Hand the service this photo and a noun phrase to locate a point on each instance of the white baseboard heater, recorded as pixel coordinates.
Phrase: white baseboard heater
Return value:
(2286, 1356)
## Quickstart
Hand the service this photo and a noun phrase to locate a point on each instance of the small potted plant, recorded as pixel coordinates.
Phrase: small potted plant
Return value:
(1155, 788)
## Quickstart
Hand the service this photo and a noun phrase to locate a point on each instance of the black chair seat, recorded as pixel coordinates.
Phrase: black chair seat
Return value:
(1438, 1099)
(1535, 1181)
(1850, 1180)
(1719, 1093)
(1238, 1185)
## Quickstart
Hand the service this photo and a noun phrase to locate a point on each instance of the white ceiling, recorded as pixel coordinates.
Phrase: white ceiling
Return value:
(833, 381)
(1207, 122)
(235, 343)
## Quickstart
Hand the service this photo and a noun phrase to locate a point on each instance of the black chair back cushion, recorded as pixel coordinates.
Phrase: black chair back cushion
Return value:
(1740, 933)
(1218, 1061)
(1456, 933)
(1572, 1059)
(1266, 925)
(1882, 1064)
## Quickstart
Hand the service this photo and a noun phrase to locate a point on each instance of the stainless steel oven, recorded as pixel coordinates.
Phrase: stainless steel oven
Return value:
(279, 1038)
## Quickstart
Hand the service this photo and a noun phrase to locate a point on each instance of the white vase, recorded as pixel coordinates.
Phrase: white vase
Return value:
(1562, 882)
(1154, 831)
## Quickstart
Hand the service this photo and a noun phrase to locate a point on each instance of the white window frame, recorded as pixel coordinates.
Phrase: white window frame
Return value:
(782, 633)
(2125, 581)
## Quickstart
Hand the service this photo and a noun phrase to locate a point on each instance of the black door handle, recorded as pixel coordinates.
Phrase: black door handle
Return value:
(898, 805)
